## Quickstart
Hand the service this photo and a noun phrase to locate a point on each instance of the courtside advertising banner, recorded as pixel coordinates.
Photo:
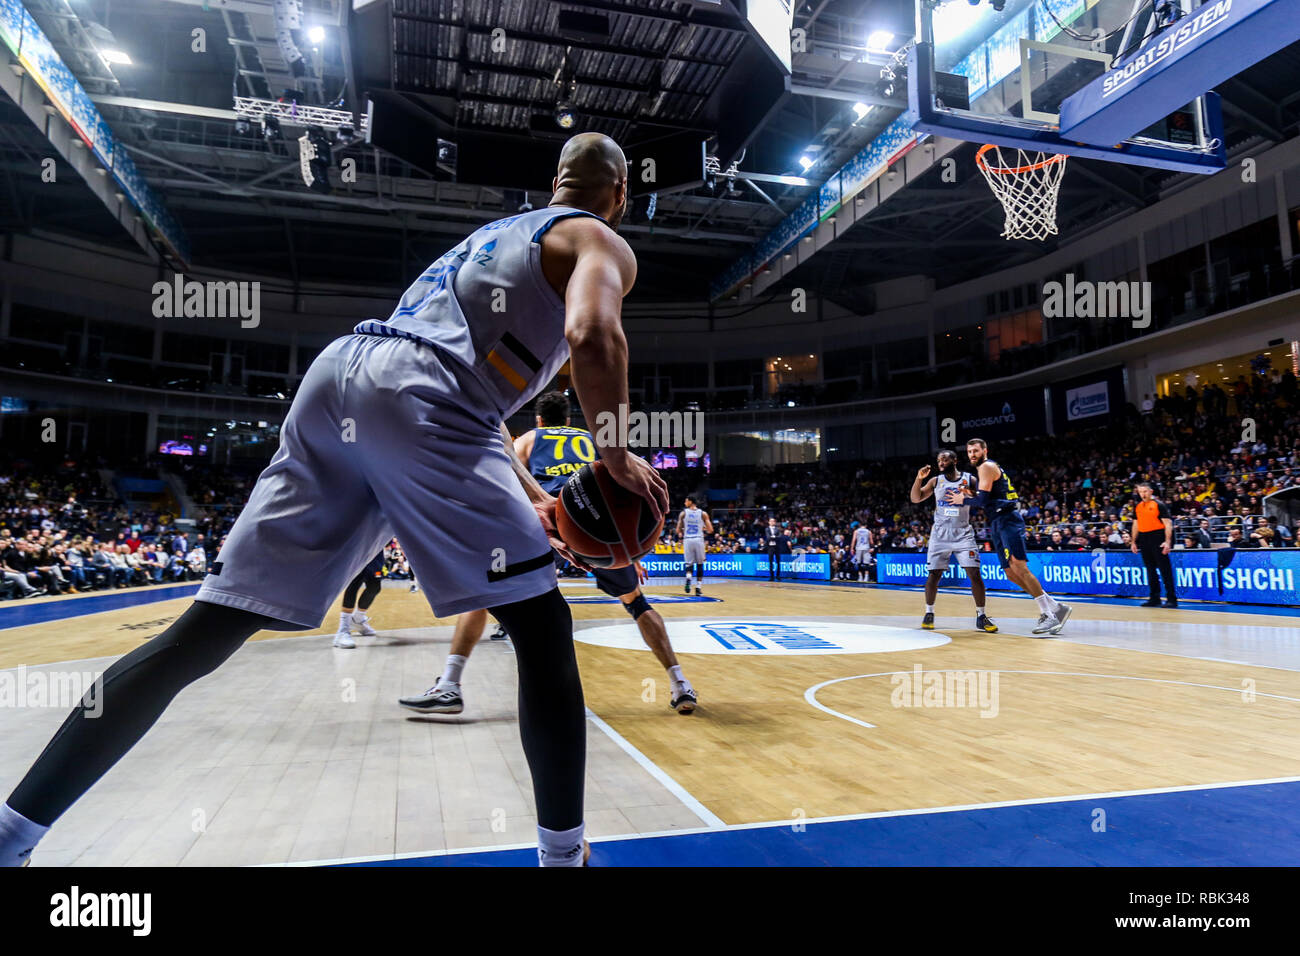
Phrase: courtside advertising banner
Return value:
(1266, 576)
(816, 567)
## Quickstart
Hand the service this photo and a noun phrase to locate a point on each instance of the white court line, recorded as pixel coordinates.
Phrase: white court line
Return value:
(650, 767)
(713, 822)
(810, 695)
(842, 818)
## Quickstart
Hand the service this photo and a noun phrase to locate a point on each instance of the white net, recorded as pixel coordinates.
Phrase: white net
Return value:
(1027, 187)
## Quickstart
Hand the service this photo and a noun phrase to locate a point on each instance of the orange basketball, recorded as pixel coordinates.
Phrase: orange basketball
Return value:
(602, 522)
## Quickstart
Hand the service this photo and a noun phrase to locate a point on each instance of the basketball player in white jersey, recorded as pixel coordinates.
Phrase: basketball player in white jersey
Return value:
(692, 525)
(546, 456)
(396, 429)
(950, 537)
(861, 548)
(1001, 503)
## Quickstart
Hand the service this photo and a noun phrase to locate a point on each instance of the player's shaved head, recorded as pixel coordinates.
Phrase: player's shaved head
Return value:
(592, 175)
(590, 161)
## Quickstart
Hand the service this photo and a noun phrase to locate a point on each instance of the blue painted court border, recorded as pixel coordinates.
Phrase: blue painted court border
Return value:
(21, 613)
(1251, 825)
(1282, 610)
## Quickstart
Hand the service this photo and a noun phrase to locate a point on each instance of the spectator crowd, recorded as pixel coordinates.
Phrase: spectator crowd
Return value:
(1211, 455)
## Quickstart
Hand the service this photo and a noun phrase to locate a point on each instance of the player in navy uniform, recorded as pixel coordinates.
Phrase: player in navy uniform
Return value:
(397, 428)
(1001, 505)
(354, 611)
(552, 453)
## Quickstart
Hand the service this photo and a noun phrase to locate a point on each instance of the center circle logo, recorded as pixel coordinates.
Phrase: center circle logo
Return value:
(769, 637)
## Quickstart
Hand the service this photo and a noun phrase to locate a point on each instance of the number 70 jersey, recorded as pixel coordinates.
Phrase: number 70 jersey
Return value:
(558, 452)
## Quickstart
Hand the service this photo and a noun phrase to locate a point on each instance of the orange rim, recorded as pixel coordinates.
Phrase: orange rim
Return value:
(1013, 170)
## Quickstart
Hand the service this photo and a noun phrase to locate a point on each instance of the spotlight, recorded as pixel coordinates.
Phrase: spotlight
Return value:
(242, 126)
(879, 41)
(344, 134)
(270, 127)
(565, 117)
(998, 5)
(806, 163)
(861, 109)
(316, 34)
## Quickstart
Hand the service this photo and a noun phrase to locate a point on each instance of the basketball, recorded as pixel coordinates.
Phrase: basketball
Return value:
(602, 522)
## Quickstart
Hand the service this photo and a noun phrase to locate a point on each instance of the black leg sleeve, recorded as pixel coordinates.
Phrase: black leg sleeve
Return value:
(127, 701)
(552, 715)
(370, 592)
(350, 592)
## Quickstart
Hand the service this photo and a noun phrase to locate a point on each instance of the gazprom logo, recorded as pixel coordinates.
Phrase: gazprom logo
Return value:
(1088, 400)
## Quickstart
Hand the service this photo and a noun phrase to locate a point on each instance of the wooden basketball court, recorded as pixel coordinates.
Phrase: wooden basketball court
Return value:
(817, 701)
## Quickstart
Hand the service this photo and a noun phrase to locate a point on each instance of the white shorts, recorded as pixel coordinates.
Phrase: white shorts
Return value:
(693, 550)
(942, 550)
(383, 440)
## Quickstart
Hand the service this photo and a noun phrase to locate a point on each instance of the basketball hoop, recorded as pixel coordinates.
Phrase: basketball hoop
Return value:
(1027, 189)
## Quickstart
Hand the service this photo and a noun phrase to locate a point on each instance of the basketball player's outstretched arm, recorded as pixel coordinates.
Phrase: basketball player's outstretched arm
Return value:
(604, 270)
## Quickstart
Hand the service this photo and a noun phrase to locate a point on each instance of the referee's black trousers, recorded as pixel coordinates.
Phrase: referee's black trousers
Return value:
(1158, 564)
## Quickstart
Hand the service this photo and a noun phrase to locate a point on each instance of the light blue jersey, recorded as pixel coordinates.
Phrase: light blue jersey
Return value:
(951, 521)
(503, 323)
